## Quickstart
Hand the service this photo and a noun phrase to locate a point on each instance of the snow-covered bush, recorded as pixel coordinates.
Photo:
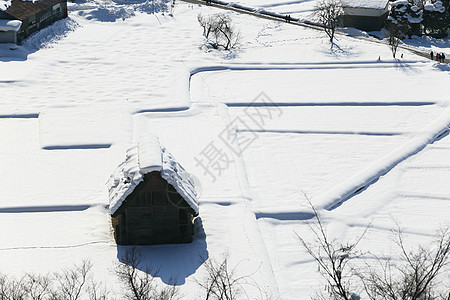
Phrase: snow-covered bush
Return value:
(436, 18)
(430, 17)
(407, 15)
(219, 31)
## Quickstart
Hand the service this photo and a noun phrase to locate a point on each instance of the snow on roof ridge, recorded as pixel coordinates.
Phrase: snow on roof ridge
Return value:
(372, 4)
(179, 178)
(148, 156)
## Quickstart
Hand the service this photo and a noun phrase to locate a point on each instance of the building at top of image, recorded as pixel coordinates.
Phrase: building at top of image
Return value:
(367, 15)
(19, 19)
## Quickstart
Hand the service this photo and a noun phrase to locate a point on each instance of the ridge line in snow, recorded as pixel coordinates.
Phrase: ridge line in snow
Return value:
(368, 176)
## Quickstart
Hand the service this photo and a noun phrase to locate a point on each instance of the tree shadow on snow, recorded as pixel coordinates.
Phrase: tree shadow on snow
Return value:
(43, 38)
(406, 67)
(173, 263)
(338, 51)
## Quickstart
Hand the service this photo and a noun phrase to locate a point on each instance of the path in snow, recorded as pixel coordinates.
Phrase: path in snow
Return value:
(261, 13)
(276, 194)
(361, 179)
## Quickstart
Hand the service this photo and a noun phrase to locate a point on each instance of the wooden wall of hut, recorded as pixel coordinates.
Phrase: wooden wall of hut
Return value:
(154, 213)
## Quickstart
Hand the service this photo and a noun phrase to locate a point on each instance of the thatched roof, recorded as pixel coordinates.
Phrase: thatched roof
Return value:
(148, 156)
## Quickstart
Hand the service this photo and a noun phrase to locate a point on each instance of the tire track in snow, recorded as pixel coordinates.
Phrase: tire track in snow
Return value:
(57, 247)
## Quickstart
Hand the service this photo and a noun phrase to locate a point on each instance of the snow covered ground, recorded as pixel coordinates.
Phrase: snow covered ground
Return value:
(309, 118)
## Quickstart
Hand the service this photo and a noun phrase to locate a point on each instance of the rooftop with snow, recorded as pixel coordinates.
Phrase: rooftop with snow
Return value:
(368, 4)
(10, 25)
(149, 156)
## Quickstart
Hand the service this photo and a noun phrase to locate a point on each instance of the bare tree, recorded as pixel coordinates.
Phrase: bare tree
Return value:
(11, 289)
(332, 258)
(72, 281)
(220, 31)
(37, 287)
(396, 34)
(415, 277)
(327, 13)
(141, 285)
(97, 291)
(67, 285)
(208, 24)
(221, 281)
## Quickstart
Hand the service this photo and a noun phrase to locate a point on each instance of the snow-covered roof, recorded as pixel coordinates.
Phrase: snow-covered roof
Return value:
(10, 25)
(4, 4)
(368, 4)
(148, 156)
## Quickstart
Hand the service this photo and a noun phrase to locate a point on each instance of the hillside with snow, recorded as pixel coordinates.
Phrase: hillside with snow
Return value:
(362, 135)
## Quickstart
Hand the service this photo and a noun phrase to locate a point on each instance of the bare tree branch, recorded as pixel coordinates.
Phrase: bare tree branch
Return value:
(333, 263)
(327, 13)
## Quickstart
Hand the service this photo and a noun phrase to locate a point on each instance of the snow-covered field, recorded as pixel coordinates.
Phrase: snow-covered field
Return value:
(309, 119)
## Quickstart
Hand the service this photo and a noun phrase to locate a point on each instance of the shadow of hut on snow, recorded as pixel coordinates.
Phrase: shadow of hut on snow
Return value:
(173, 263)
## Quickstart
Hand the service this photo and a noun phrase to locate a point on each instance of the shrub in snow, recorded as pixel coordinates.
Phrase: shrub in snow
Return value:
(221, 282)
(70, 284)
(416, 275)
(78, 282)
(219, 31)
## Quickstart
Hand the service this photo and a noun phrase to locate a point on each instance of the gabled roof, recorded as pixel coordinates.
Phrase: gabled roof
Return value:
(22, 10)
(146, 157)
(367, 4)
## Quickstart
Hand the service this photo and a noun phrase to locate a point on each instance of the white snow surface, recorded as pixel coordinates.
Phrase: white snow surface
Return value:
(10, 25)
(146, 157)
(369, 4)
(366, 139)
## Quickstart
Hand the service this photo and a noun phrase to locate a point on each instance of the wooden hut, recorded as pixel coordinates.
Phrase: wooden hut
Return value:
(152, 198)
(368, 15)
(33, 15)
